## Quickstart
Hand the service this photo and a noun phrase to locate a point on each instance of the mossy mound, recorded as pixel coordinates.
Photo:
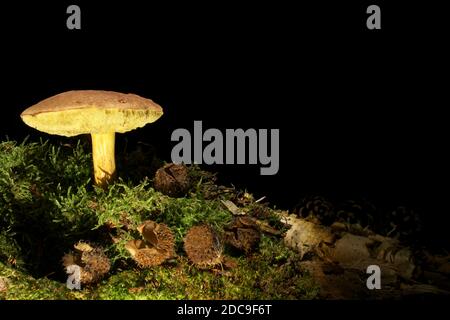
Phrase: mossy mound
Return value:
(48, 203)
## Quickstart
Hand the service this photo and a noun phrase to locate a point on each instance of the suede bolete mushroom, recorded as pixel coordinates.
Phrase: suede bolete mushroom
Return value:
(99, 113)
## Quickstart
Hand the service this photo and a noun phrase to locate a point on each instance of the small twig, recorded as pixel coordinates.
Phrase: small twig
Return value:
(232, 208)
(260, 199)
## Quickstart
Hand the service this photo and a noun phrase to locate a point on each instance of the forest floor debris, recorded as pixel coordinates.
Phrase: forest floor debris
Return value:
(213, 241)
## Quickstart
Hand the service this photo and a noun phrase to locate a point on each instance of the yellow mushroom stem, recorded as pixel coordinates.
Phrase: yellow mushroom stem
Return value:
(103, 156)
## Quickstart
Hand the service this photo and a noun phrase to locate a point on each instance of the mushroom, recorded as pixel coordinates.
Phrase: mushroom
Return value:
(99, 113)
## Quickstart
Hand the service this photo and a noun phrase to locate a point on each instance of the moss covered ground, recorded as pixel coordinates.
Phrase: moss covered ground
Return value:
(48, 203)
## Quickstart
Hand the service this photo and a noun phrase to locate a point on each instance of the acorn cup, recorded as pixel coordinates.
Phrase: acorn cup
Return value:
(91, 259)
(203, 247)
(157, 246)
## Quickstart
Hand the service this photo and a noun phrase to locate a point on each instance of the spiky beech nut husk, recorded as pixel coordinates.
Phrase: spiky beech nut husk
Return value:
(96, 263)
(203, 247)
(91, 259)
(157, 246)
(146, 256)
(172, 180)
(244, 239)
(149, 257)
(243, 233)
(71, 258)
(158, 235)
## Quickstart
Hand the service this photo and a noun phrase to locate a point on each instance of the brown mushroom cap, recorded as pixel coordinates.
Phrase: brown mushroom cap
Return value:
(91, 111)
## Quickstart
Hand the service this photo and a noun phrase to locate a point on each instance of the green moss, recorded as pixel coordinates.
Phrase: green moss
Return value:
(22, 286)
(47, 203)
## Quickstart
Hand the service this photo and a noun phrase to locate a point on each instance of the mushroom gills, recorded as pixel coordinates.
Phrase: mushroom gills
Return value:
(73, 122)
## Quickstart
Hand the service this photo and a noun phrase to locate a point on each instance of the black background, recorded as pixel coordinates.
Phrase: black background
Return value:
(360, 112)
(279, 309)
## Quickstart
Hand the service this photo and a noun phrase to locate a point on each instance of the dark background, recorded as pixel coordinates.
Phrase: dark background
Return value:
(360, 112)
